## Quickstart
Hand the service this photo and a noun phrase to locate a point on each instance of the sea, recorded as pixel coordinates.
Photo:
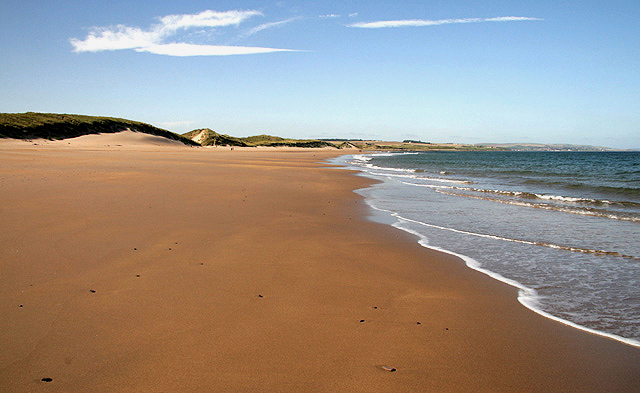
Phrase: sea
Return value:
(562, 227)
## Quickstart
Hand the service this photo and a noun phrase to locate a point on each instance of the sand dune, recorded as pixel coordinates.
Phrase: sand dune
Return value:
(124, 139)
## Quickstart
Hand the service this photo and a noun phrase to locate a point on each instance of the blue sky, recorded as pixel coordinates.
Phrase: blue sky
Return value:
(439, 71)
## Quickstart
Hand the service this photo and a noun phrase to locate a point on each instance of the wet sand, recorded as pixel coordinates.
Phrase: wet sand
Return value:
(151, 267)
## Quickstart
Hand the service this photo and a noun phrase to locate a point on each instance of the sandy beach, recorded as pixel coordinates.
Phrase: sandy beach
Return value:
(132, 264)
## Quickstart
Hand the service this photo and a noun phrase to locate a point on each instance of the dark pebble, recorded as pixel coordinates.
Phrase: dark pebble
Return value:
(92, 290)
(135, 249)
(418, 323)
(20, 306)
(47, 379)
(446, 328)
(137, 275)
(169, 248)
(362, 320)
(375, 308)
(260, 296)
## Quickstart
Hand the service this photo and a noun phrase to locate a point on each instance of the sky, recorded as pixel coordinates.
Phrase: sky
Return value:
(437, 71)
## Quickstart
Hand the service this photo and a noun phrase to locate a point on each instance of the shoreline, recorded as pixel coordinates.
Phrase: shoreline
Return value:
(527, 296)
(253, 270)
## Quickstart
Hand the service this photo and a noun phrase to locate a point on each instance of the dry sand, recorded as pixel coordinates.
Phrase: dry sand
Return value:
(149, 268)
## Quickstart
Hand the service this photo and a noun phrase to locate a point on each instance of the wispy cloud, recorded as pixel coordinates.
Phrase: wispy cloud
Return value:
(333, 16)
(438, 22)
(265, 26)
(206, 18)
(184, 49)
(153, 39)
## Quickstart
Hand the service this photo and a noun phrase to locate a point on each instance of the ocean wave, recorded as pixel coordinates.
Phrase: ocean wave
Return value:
(521, 241)
(583, 186)
(556, 198)
(436, 179)
(563, 204)
(371, 166)
(621, 216)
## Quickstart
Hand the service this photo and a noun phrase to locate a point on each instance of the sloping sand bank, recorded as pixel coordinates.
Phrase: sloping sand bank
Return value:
(122, 140)
(158, 269)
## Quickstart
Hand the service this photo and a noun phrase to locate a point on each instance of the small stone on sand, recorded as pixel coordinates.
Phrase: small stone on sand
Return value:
(92, 290)
(389, 369)
(47, 379)
(260, 296)
(362, 320)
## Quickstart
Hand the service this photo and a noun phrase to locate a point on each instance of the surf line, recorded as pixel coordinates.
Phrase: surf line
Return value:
(441, 189)
(528, 242)
(528, 297)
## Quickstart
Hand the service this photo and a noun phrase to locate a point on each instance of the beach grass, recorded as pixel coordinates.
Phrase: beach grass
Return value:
(54, 126)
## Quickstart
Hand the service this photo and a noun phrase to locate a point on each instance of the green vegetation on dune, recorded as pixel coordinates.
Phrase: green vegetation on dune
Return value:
(51, 126)
(262, 139)
(207, 137)
(415, 146)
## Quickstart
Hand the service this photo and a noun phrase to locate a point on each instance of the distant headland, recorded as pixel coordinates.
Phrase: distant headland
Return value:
(53, 126)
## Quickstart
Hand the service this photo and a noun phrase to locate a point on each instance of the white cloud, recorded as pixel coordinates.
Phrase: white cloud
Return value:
(206, 18)
(183, 49)
(329, 16)
(152, 40)
(427, 22)
(353, 15)
(115, 38)
(510, 18)
(265, 26)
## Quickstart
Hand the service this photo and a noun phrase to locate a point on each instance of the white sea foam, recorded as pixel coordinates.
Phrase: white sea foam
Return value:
(468, 193)
(435, 179)
(583, 212)
(527, 242)
(394, 175)
(362, 157)
(528, 297)
(371, 166)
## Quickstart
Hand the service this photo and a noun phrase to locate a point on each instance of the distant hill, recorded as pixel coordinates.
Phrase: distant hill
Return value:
(544, 147)
(263, 139)
(51, 126)
(208, 137)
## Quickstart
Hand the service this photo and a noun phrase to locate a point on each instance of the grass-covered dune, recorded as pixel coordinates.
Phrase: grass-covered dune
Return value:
(208, 137)
(52, 126)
